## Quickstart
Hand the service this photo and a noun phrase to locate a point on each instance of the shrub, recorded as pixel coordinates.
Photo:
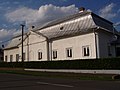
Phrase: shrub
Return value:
(106, 63)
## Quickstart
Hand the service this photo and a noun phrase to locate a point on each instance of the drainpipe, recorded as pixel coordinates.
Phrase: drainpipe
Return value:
(48, 49)
(96, 44)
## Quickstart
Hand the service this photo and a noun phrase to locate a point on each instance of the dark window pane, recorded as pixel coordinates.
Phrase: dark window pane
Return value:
(5, 58)
(11, 58)
(17, 57)
(24, 56)
(54, 54)
(39, 55)
(84, 51)
(87, 51)
(69, 52)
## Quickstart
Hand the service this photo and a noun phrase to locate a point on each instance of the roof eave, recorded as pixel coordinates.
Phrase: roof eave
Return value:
(10, 48)
(101, 18)
(72, 34)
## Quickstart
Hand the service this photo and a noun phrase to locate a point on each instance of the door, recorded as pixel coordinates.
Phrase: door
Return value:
(117, 51)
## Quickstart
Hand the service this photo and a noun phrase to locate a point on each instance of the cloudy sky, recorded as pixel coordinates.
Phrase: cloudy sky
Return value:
(37, 12)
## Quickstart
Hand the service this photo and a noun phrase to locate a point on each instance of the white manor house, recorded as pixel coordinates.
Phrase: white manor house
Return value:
(83, 35)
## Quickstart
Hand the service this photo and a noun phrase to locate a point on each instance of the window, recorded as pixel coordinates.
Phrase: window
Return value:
(86, 51)
(69, 52)
(11, 58)
(17, 57)
(5, 58)
(24, 56)
(54, 54)
(61, 28)
(117, 51)
(39, 55)
(109, 50)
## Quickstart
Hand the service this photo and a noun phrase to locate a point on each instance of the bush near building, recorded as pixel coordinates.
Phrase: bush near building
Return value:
(106, 63)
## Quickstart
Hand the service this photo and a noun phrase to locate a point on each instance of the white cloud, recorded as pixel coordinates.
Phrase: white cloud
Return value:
(107, 11)
(5, 34)
(44, 14)
(21, 14)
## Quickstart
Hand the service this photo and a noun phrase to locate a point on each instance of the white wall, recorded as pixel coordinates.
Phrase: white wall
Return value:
(76, 43)
(32, 45)
(11, 52)
(35, 42)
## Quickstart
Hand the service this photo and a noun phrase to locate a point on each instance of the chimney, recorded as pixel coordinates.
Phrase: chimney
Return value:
(81, 9)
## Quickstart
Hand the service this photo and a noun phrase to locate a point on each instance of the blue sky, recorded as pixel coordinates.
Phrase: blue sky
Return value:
(38, 12)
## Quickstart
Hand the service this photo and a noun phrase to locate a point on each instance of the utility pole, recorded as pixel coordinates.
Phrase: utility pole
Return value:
(22, 42)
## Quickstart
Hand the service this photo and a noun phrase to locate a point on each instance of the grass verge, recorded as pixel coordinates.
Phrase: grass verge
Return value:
(79, 76)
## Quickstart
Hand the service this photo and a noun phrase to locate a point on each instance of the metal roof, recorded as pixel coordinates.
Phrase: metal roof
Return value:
(70, 17)
(77, 23)
(61, 20)
(15, 42)
(101, 22)
(74, 24)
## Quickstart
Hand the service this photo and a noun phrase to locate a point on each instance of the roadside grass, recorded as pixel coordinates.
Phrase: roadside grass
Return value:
(80, 76)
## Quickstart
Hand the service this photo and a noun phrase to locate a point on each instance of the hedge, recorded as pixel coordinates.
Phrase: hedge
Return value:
(106, 63)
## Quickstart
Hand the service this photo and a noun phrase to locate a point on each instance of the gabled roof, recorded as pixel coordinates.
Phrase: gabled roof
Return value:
(72, 17)
(17, 40)
(71, 25)
(74, 24)
(64, 19)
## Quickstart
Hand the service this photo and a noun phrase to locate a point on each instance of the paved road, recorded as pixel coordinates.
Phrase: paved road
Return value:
(24, 82)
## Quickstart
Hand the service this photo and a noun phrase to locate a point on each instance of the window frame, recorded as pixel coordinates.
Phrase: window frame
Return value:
(11, 58)
(24, 56)
(54, 54)
(17, 57)
(40, 55)
(109, 50)
(86, 51)
(6, 58)
(69, 52)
